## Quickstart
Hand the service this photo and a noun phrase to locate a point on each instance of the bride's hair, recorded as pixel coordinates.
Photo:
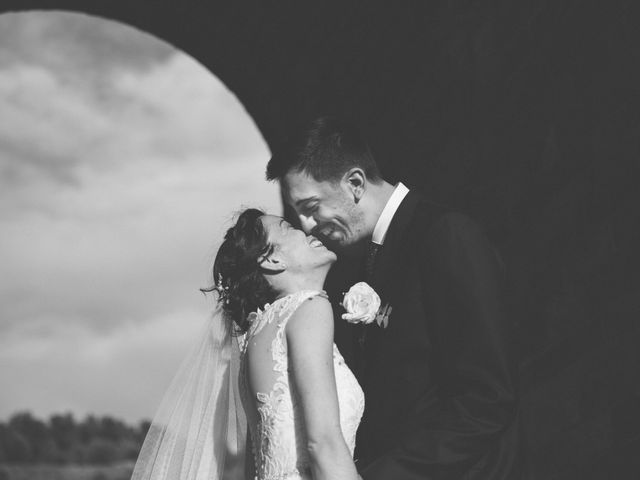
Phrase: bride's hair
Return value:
(238, 278)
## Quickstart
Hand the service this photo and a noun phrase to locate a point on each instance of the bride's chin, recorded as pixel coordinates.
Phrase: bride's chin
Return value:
(329, 257)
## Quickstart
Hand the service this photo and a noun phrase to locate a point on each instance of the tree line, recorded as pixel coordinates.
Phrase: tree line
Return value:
(63, 440)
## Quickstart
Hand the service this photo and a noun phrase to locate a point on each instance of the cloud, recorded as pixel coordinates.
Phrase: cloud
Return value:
(123, 373)
(124, 258)
(120, 171)
(45, 127)
(84, 45)
(169, 113)
(127, 242)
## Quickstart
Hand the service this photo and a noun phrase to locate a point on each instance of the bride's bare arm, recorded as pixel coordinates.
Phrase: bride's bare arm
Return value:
(310, 349)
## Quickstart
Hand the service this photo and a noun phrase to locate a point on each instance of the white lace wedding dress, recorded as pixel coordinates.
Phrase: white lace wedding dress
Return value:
(278, 438)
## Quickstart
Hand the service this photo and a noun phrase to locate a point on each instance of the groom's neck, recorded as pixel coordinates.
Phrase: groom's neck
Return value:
(379, 194)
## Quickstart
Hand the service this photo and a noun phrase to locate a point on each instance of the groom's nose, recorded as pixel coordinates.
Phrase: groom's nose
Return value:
(307, 223)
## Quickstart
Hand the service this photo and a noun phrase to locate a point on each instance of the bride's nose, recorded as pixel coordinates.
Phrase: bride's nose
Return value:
(307, 223)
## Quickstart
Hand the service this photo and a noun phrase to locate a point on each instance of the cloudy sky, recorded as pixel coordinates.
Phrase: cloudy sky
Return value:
(122, 161)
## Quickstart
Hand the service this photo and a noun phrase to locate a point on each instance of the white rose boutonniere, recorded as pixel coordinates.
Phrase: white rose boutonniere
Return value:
(361, 303)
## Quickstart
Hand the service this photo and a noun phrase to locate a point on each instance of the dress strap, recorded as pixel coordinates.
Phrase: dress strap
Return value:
(282, 309)
(292, 302)
(279, 345)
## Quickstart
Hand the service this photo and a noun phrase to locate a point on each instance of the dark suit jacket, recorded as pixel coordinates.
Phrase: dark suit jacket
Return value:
(439, 383)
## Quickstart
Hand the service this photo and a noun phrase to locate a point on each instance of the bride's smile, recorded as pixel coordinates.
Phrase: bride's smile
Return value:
(292, 249)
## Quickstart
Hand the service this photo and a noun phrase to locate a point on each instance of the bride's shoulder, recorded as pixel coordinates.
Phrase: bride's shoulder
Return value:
(313, 303)
(314, 312)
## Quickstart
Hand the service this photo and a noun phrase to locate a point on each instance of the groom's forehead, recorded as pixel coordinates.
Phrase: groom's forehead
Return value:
(300, 186)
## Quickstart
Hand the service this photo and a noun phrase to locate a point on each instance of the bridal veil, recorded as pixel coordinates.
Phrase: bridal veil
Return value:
(199, 431)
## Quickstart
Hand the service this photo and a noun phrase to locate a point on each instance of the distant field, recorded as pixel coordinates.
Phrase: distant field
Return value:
(121, 471)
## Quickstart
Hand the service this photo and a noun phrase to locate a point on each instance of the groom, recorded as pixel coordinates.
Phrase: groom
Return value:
(436, 372)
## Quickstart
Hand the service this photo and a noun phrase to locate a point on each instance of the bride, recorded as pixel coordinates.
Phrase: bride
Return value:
(267, 365)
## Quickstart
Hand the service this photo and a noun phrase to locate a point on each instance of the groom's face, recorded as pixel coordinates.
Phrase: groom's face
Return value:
(326, 209)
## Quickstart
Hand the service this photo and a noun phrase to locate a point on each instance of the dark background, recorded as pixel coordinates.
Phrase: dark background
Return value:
(526, 115)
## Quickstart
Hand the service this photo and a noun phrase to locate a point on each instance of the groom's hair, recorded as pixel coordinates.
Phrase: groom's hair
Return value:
(326, 149)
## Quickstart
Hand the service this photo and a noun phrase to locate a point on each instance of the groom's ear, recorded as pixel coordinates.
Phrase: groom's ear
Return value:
(357, 182)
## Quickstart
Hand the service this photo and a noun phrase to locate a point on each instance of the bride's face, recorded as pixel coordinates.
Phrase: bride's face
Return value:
(293, 248)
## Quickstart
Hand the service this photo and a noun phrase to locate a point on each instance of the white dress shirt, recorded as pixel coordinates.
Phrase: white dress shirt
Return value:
(382, 225)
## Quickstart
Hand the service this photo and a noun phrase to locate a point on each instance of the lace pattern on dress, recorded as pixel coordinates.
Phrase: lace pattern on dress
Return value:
(276, 455)
(277, 433)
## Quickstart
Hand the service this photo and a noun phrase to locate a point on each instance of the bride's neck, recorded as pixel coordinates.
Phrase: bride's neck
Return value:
(297, 283)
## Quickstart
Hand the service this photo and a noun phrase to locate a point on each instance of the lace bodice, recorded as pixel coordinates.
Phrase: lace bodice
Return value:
(276, 426)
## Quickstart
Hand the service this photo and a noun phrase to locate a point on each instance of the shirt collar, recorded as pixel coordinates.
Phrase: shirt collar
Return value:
(382, 225)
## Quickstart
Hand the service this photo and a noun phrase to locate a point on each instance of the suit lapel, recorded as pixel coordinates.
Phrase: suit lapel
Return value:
(386, 256)
(382, 278)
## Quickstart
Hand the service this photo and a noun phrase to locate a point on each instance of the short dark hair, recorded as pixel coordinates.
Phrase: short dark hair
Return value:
(237, 276)
(326, 148)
